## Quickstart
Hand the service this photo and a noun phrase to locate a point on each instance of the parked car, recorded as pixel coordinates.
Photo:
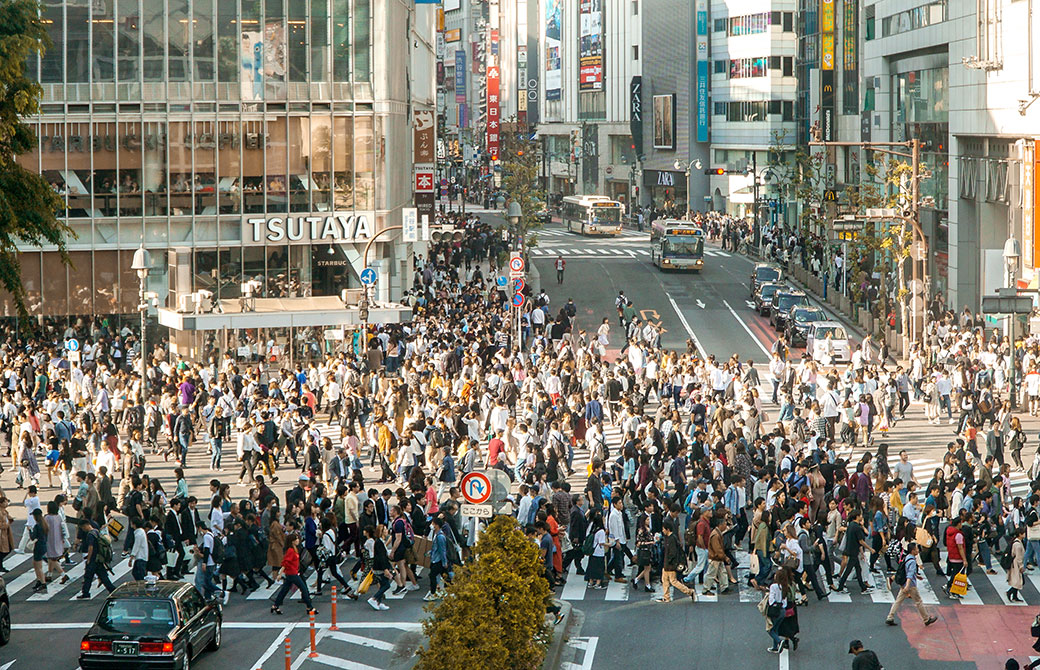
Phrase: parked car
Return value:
(764, 273)
(543, 215)
(783, 301)
(798, 321)
(151, 624)
(764, 296)
(828, 342)
(5, 614)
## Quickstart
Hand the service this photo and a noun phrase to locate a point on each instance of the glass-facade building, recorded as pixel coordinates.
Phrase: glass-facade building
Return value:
(212, 125)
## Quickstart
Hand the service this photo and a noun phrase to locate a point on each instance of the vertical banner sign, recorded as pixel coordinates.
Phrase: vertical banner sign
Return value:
(1028, 209)
(521, 82)
(850, 57)
(463, 115)
(460, 76)
(635, 115)
(492, 111)
(702, 70)
(1035, 195)
(409, 224)
(424, 134)
(827, 69)
(553, 64)
(590, 46)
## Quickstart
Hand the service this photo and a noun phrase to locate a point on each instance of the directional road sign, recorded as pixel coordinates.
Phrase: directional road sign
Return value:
(501, 281)
(72, 344)
(368, 276)
(476, 488)
(516, 264)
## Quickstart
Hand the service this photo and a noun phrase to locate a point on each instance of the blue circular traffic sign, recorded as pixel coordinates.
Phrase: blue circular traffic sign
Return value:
(368, 276)
(501, 281)
(518, 299)
(72, 344)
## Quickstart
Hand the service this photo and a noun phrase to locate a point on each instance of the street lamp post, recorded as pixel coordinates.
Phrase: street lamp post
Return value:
(365, 301)
(685, 167)
(142, 263)
(1012, 252)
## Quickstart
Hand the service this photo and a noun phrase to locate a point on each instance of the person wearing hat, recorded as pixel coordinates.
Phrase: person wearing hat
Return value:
(864, 659)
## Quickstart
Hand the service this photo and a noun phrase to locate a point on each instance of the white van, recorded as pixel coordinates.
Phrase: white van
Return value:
(828, 340)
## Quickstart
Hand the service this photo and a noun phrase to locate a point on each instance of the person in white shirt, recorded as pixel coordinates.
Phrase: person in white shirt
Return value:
(139, 552)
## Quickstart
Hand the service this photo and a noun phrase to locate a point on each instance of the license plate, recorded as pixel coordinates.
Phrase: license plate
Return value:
(124, 648)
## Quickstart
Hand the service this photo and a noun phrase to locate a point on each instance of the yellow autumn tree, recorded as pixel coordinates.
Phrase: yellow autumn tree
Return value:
(493, 616)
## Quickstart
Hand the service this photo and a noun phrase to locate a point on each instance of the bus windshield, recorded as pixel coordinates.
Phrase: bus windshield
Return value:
(605, 214)
(683, 246)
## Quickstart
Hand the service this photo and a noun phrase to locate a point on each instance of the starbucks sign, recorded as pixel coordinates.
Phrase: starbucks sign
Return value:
(340, 228)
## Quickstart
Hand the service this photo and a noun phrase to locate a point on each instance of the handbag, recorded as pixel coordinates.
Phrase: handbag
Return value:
(366, 582)
(763, 605)
(754, 567)
(960, 584)
(924, 538)
(565, 543)
(115, 527)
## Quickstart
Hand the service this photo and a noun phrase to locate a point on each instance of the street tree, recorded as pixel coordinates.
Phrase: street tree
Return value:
(519, 154)
(493, 616)
(28, 204)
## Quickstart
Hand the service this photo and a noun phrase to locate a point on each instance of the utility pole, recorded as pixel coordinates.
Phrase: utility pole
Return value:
(754, 176)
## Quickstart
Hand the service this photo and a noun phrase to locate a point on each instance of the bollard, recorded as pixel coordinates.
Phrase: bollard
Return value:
(288, 653)
(333, 626)
(314, 641)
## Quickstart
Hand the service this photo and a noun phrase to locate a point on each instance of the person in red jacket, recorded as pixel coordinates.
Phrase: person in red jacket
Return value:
(955, 553)
(291, 576)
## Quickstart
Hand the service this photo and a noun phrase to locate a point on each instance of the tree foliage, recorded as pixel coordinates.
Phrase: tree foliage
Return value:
(493, 616)
(519, 154)
(28, 204)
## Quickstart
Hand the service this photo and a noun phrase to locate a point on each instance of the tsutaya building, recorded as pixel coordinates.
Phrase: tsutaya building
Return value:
(272, 170)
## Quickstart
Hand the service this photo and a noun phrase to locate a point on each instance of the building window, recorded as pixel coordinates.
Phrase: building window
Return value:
(719, 25)
(914, 18)
(635, 52)
(720, 66)
(635, 7)
(621, 150)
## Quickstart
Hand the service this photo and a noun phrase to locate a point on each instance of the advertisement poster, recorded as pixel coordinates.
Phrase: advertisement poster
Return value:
(553, 30)
(274, 58)
(850, 58)
(460, 76)
(664, 121)
(252, 65)
(703, 114)
(492, 111)
(590, 46)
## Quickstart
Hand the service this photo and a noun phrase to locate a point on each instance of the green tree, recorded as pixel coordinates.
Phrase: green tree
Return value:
(519, 155)
(28, 205)
(493, 616)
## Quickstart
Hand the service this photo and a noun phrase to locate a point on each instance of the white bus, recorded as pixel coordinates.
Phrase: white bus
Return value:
(677, 245)
(592, 214)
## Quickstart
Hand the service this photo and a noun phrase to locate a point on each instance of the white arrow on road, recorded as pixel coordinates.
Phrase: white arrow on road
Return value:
(7, 665)
(749, 304)
(700, 304)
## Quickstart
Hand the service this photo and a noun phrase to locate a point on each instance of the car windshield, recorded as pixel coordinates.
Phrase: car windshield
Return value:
(768, 290)
(132, 614)
(764, 274)
(832, 332)
(807, 315)
(787, 301)
(606, 214)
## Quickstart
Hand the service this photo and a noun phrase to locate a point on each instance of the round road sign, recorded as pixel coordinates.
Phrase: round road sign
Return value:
(518, 300)
(476, 488)
(501, 281)
(368, 276)
(516, 264)
(518, 285)
(72, 344)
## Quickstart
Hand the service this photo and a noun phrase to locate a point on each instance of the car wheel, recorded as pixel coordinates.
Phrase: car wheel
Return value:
(215, 642)
(5, 624)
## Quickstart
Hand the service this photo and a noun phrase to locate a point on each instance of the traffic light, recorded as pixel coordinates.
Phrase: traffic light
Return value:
(716, 171)
(445, 233)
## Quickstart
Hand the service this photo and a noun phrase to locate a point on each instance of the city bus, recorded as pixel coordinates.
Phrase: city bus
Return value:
(677, 245)
(591, 214)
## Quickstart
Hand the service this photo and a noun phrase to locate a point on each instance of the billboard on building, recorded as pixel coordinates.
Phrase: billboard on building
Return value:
(274, 58)
(701, 44)
(590, 45)
(460, 76)
(850, 57)
(492, 111)
(553, 64)
(664, 121)
(252, 59)
(635, 114)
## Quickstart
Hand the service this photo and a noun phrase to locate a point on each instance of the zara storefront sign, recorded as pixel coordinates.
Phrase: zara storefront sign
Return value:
(333, 227)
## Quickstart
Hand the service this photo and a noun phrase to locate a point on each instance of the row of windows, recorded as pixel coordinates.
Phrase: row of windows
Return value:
(741, 68)
(914, 18)
(257, 44)
(757, 110)
(752, 24)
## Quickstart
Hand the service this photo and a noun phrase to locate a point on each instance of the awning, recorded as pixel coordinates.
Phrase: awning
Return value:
(322, 312)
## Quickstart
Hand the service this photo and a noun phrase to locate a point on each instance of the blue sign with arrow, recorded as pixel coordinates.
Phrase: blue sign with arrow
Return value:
(368, 276)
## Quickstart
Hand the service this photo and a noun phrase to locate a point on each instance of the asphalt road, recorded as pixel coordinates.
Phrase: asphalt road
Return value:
(617, 628)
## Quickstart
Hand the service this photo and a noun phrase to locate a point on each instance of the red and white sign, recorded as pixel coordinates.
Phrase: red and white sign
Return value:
(492, 111)
(476, 488)
(424, 182)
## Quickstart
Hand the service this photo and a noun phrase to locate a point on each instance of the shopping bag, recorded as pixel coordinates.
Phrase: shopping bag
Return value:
(960, 584)
(365, 583)
(115, 527)
(753, 564)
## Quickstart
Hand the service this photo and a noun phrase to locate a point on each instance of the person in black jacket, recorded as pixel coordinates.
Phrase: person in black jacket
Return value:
(191, 523)
(381, 567)
(672, 558)
(577, 528)
(173, 538)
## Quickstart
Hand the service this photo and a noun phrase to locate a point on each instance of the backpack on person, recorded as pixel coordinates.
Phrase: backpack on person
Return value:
(102, 549)
(1006, 560)
(217, 554)
(589, 545)
(900, 577)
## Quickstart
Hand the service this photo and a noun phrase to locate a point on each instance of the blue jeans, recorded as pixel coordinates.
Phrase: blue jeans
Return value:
(218, 446)
(763, 567)
(183, 441)
(92, 571)
(384, 586)
(774, 624)
(1032, 550)
(944, 401)
(205, 580)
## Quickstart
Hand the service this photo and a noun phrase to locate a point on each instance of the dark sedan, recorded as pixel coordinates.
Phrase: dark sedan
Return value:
(764, 296)
(764, 273)
(783, 301)
(151, 624)
(798, 321)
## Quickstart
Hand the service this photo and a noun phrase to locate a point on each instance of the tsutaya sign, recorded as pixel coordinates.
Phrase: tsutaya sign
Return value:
(334, 227)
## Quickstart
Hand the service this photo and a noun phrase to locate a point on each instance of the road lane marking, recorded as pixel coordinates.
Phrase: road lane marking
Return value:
(700, 304)
(686, 325)
(275, 646)
(745, 327)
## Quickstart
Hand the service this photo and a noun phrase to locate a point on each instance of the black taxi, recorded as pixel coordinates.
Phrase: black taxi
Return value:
(151, 624)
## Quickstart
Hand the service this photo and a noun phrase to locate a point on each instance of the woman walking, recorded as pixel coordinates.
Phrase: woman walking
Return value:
(55, 543)
(644, 553)
(380, 564)
(6, 534)
(38, 535)
(594, 572)
(1016, 571)
(776, 607)
(291, 577)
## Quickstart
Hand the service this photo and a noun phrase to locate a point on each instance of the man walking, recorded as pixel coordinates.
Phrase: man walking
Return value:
(908, 589)
(560, 265)
(671, 559)
(864, 659)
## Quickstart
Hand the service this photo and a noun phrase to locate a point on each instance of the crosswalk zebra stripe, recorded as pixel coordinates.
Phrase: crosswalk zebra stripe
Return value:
(74, 573)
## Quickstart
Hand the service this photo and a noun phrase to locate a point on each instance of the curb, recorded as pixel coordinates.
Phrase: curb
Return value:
(555, 648)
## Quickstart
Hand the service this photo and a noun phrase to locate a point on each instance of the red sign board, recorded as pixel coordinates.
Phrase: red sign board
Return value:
(424, 181)
(492, 111)
(476, 488)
